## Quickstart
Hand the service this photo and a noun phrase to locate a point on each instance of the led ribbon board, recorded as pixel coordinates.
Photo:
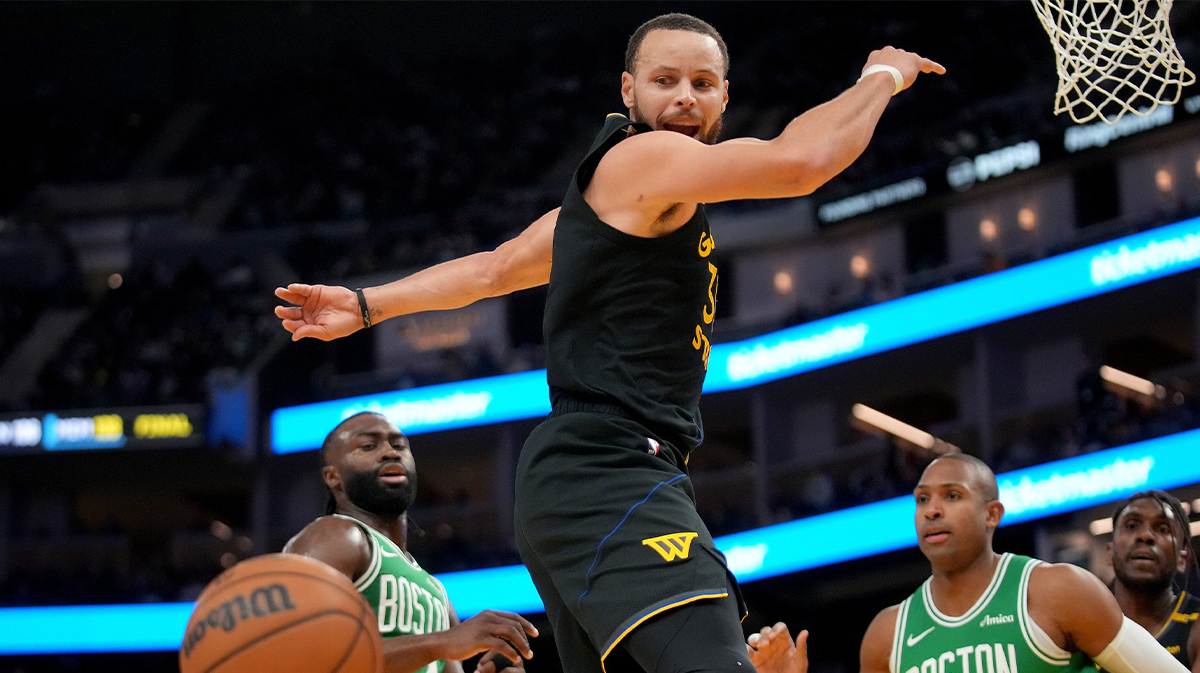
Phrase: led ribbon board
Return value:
(446, 406)
(894, 324)
(1028, 494)
(77, 629)
(1031, 493)
(962, 173)
(165, 427)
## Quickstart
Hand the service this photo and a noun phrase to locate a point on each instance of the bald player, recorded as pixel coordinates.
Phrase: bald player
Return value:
(1151, 549)
(984, 612)
(371, 480)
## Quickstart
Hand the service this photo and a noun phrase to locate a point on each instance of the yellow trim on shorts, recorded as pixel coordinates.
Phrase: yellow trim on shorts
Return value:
(638, 623)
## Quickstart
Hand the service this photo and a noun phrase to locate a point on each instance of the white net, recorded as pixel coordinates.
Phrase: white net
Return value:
(1113, 57)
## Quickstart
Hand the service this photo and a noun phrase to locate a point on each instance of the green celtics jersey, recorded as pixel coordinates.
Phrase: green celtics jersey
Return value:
(995, 636)
(406, 599)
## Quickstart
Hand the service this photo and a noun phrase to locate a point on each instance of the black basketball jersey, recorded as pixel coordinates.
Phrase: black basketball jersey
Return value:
(629, 319)
(1174, 634)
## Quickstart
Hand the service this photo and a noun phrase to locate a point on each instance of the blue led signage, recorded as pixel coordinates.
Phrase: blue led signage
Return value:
(417, 410)
(1027, 494)
(875, 329)
(151, 627)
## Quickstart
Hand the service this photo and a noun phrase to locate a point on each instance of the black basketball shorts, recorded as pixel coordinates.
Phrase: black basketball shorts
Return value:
(607, 525)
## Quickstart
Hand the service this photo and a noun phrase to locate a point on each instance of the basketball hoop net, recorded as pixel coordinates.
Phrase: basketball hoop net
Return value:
(1113, 57)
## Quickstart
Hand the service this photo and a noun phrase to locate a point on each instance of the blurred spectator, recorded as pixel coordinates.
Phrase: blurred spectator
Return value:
(155, 339)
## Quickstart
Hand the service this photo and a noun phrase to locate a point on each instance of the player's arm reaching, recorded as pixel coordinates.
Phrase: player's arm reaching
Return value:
(772, 650)
(343, 545)
(1079, 613)
(329, 312)
(634, 184)
(491, 662)
(651, 171)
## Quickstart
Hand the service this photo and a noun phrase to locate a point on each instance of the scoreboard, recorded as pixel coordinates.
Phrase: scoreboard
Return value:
(159, 427)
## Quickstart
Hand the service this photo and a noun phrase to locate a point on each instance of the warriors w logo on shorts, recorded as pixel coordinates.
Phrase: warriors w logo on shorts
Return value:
(670, 547)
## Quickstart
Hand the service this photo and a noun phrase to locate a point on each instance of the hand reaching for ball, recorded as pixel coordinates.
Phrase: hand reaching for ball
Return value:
(772, 650)
(494, 662)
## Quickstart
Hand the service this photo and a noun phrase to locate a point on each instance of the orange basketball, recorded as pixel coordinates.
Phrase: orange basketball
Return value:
(281, 612)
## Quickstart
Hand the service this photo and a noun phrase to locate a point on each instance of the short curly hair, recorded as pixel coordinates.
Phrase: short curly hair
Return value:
(673, 21)
(1179, 520)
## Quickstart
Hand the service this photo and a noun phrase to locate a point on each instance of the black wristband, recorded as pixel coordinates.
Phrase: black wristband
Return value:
(362, 306)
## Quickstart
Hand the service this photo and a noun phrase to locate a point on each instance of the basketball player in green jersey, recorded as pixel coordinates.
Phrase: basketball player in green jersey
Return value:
(983, 612)
(372, 479)
(1151, 547)
(605, 512)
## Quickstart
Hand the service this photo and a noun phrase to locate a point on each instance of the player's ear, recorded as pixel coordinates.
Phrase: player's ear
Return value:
(331, 475)
(1108, 550)
(627, 89)
(1182, 558)
(725, 95)
(995, 512)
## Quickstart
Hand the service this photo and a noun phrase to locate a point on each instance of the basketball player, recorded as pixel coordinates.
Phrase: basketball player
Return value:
(372, 480)
(605, 513)
(983, 612)
(1151, 546)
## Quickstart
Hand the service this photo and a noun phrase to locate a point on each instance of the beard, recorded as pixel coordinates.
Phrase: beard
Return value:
(1157, 583)
(364, 490)
(708, 137)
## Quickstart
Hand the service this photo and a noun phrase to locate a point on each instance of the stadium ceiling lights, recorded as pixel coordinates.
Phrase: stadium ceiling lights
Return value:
(1028, 494)
(822, 343)
(894, 426)
(1135, 383)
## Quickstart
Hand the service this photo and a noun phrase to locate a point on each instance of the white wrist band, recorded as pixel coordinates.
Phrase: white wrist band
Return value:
(878, 67)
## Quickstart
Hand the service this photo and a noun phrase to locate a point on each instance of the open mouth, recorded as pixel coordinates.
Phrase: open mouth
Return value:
(687, 128)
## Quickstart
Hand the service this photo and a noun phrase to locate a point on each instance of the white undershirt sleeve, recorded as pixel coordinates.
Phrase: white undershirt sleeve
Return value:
(1134, 650)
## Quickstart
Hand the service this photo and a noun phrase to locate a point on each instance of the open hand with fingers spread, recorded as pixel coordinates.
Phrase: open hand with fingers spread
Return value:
(506, 633)
(322, 312)
(908, 64)
(772, 650)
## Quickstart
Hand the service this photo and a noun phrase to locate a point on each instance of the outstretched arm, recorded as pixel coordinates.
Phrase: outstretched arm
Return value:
(329, 312)
(650, 171)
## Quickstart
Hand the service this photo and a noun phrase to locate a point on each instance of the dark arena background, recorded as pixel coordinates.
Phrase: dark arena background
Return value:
(986, 276)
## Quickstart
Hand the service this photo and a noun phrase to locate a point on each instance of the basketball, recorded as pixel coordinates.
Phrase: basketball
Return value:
(281, 612)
